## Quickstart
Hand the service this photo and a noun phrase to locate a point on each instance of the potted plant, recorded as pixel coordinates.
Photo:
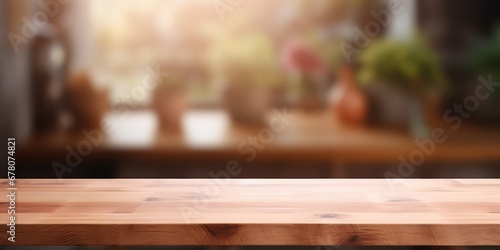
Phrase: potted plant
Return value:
(248, 69)
(407, 65)
(170, 101)
(88, 104)
(484, 60)
(345, 99)
(307, 71)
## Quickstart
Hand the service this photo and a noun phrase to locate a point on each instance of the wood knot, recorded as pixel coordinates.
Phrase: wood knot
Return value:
(404, 200)
(327, 216)
(353, 239)
(221, 230)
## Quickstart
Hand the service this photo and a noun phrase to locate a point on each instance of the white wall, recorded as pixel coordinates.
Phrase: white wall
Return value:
(15, 110)
(404, 22)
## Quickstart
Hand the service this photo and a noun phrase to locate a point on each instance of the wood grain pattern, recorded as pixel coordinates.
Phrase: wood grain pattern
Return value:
(256, 212)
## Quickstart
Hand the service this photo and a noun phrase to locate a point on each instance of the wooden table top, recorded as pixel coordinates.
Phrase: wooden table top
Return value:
(211, 135)
(256, 212)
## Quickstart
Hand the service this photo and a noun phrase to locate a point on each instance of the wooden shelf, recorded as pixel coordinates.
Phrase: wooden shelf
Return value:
(256, 212)
(308, 137)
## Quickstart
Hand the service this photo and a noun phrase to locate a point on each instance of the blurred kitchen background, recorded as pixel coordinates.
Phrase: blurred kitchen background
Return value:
(286, 88)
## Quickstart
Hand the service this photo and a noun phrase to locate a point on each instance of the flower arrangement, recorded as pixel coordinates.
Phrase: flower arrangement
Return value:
(299, 57)
(307, 69)
(246, 63)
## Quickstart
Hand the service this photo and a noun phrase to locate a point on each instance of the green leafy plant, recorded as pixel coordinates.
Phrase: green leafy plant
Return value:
(485, 57)
(406, 64)
(246, 59)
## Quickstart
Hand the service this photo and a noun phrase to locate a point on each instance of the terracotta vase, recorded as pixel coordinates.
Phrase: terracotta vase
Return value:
(170, 104)
(347, 101)
(88, 104)
(247, 104)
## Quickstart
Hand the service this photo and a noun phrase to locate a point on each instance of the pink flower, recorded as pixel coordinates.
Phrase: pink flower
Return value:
(297, 56)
